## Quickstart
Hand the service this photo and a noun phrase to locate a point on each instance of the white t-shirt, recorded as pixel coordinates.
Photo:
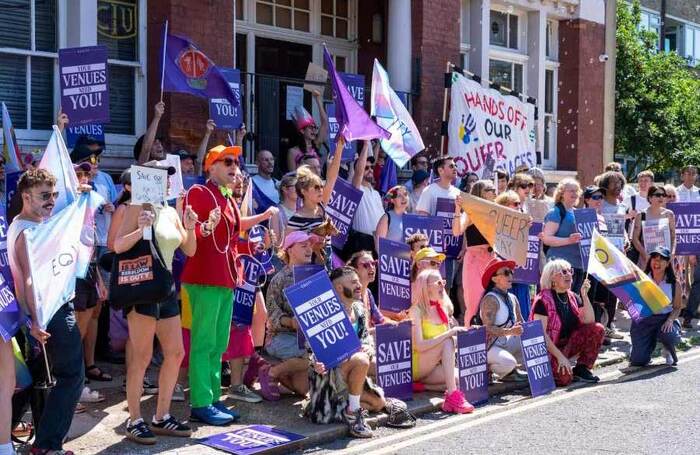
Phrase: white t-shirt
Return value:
(428, 199)
(369, 211)
(640, 203)
(691, 194)
(268, 187)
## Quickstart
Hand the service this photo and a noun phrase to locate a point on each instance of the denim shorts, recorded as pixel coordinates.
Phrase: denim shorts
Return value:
(284, 346)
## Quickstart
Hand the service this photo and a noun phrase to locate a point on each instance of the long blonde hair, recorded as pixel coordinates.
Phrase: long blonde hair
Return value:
(419, 296)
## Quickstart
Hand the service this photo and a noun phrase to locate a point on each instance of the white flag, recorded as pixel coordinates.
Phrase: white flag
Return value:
(57, 161)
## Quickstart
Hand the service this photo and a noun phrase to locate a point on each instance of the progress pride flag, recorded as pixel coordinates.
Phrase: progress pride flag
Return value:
(84, 85)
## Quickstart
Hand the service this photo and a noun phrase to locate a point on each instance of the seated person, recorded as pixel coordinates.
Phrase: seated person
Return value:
(662, 327)
(417, 242)
(434, 341)
(346, 393)
(365, 265)
(499, 312)
(573, 336)
(282, 326)
(426, 258)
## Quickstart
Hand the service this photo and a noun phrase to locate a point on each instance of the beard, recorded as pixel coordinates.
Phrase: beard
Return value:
(348, 293)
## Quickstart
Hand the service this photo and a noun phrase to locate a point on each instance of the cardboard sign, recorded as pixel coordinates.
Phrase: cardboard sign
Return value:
(250, 440)
(323, 320)
(94, 130)
(530, 272)
(148, 185)
(656, 233)
(586, 222)
(341, 209)
(536, 359)
(84, 86)
(687, 227)
(176, 184)
(473, 365)
(445, 209)
(538, 209)
(315, 73)
(394, 354)
(225, 115)
(394, 275)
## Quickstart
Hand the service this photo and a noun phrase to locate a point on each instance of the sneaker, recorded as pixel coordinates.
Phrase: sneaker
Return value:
(356, 423)
(170, 427)
(178, 393)
(243, 393)
(221, 407)
(399, 417)
(455, 403)
(90, 396)
(583, 374)
(515, 376)
(668, 356)
(211, 416)
(139, 432)
(613, 334)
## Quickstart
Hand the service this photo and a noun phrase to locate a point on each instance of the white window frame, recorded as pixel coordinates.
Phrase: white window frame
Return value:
(522, 29)
(551, 162)
(644, 24)
(334, 17)
(291, 8)
(552, 35)
(464, 44)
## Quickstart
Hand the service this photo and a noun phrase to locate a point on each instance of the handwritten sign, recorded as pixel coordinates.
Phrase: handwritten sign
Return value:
(394, 354)
(176, 184)
(148, 185)
(84, 84)
(616, 229)
(394, 275)
(315, 73)
(445, 209)
(586, 222)
(530, 272)
(687, 227)
(536, 359)
(250, 440)
(341, 209)
(472, 365)
(225, 115)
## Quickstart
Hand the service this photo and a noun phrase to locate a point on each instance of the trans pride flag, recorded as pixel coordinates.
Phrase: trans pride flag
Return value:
(640, 295)
(10, 149)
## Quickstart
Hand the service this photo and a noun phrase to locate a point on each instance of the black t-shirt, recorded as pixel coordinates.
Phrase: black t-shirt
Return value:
(569, 321)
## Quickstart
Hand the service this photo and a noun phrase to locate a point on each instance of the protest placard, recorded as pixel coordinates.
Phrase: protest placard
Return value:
(94, 130)
(84, 84)
(394, 354)
(176, 184)
(394, 275)
(250, 440)
(487, 128)
(505, 229)
(299, 273)
(315, 73)
(244, 294)
(149, 185)
(431, 226)
(356, 86)
(4, 260)
(687, 227)
(616, 229)
(472, 365)
(445, 209)
(530, 272)
(323, 320)
(536, 359)
(656, 233)
(341, 209)
(350, 148)
(586, 222)
(538, 209)
(225, 115)
(11, 318)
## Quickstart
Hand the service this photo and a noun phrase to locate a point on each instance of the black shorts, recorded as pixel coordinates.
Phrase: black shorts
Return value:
(85, 294)
(168, 308)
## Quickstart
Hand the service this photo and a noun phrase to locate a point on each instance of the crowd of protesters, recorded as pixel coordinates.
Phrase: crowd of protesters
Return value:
(200, 239)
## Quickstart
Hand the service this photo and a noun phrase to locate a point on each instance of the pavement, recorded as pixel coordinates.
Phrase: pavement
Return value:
(101, 428)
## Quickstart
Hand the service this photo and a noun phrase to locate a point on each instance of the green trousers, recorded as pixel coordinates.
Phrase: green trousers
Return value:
(212, 308)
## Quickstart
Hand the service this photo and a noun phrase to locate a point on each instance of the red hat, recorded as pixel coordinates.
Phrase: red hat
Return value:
(492, 267)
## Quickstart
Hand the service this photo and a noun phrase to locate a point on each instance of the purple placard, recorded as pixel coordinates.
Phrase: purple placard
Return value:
(94, 130)
(394, 356)
(350, 148)
(225, 115)
(586, 222)
(473, 366)
(299, 273)
(536, 359)
(250, 440)
(244, 295)
(341, 210)
(323, 320)
(431, 226)
(356, 86)
(394, 275)
(84, 84)
(4, 260)
(11, 179)
(11, 317)
(530, 273)
(687, 227)
(190, 180)
(445, 208)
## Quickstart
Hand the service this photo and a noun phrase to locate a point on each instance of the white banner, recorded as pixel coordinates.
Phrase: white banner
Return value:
(488, 130)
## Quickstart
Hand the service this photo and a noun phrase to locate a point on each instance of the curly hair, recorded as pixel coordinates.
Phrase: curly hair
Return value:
(33, 178)
(305, 179)
(562, 186)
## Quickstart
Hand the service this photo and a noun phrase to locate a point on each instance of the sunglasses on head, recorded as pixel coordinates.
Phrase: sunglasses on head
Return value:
(47, 196)
(489, 190)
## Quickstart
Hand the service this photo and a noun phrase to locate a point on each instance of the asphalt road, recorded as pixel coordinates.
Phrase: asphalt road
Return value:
(634, 411)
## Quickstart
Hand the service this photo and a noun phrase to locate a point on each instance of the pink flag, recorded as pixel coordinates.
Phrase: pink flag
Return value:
(355, 124)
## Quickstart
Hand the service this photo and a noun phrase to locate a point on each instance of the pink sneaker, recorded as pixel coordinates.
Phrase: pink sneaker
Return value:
(455, 403)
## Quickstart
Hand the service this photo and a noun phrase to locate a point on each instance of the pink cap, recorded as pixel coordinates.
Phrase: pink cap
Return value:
(294, 237)
(302, 118)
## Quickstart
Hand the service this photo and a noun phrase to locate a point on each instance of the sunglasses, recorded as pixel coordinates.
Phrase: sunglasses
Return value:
(489, 190)
(317, 187)
(228, 161)
(659, 195)
(441, 283)
(565, 272)
(432, 262)
(507, 272)
(597, 197)
(452, 166)
(516, 205)
(47, 196)
(524, 186)
(369, 265)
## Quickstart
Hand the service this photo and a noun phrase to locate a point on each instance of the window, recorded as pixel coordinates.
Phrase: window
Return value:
(506, 74)
(239, 9)
(552, 40)
(118, 29)
(291, 14)
(548, 153)
(692, 45)
(504, 29)
(334, 18)
(671, 39)
(28, 61)
(651, 22)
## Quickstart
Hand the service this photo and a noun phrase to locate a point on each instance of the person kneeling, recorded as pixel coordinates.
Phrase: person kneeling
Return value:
(433, 341)
(500, 315)
(573, 336)
(346, 393)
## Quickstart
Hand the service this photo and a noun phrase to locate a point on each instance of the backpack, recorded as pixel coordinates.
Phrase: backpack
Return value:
(562, 215)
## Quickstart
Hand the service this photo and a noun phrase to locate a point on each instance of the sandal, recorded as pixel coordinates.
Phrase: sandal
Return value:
(80, 408)
(22, 429)
(100, 376)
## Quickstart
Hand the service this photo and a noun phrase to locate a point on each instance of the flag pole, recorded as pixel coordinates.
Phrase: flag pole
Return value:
(162, 68)
(444, 110)
(50, 381)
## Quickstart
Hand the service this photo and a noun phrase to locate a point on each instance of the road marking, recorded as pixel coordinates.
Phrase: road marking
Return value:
(485, 415)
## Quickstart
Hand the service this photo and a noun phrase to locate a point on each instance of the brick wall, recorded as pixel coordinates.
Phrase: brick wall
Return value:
(581, 97)
(435, 27)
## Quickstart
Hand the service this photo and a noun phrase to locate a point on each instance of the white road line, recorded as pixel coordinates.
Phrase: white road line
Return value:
(407, 438)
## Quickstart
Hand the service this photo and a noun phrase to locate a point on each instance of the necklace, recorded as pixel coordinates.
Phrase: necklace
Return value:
(556, 294)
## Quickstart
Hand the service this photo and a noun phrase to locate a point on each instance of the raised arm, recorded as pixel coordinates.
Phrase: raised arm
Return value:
(333, 169)
(360, 164)
(150, 137)
(322, 133)
(202, 149)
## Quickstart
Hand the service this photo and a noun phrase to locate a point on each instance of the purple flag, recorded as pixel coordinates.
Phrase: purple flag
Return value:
(394, 354)
(394, 275)
(530, 272)
(472, 365)
(536, 359)
(188, 70)
(586, 222)
(84, 86)
(250, 440)
(341, 209)
(388, 179)
(355, 123)
(687, 227)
